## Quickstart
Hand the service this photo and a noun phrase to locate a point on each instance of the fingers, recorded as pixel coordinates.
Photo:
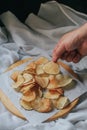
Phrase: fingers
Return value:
(77, 58)
(72, 56)
(58, 52)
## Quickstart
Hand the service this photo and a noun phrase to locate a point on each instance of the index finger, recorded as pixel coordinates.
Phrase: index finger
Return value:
(58, 52)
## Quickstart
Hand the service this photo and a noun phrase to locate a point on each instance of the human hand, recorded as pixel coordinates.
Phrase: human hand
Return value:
(72, 46)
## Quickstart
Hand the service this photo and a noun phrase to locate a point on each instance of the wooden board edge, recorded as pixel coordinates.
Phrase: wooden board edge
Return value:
(20, 62)
(10, 106)
(64, 111)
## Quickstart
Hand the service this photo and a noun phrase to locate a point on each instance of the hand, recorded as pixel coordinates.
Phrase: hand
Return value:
(72, 46)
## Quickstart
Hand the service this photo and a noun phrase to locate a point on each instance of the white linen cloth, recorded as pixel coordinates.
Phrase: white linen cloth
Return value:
(41, 34)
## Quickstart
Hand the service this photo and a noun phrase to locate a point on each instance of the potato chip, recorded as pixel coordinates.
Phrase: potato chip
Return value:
(27, 77)
(51, 68)
(59, 76)
(59, 90)
(53, 83)
(31, 65)
(17, 85)
(26, 88)
(61, 102)
(29, 96)
(25, 105)
(42, 105)
(28, 83)
(30, 71)
(51, 94)
(65, 81)
(42, 81)
(15, 74)
(39, 69)
(41, 60)
(40, 93)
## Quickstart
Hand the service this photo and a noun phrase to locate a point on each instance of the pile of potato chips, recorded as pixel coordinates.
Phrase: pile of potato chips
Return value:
(42, 86)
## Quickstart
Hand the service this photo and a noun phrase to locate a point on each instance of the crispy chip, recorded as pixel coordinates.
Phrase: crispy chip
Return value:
(65, 81)
(15, 74)
(42, 105)
(59, 76)
(25, 105)
(42, 81)
(51, 68)
(41, 60)
(59, 90)
(27, 77)
(53, 82)
(51, 94)
(61, 102)
(17, 85)
(29, 96)
(26, 88)
(28, 83)
(31, 65)
(39, 69)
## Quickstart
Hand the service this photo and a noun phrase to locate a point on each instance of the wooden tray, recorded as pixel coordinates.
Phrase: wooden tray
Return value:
(10, 106)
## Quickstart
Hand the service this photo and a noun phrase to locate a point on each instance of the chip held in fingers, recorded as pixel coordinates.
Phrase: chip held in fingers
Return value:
(51, 68)
(42, 85)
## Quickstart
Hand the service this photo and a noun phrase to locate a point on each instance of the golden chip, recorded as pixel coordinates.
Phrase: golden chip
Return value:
(39, 69)
(64, 81)
(27, 77)
(59, 90)
(17, 85)
(31, 65)
(26, 88)
(41, 60)
(42, 81)
(61, 102)
(53, 83)
(51, 94)
(15, 75)
(51, 68)
(25, 105)
(28, 83)
(59, 76)
(42, 105)
(29, 96)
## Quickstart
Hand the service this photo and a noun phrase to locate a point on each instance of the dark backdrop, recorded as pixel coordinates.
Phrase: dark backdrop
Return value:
(21, 8)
